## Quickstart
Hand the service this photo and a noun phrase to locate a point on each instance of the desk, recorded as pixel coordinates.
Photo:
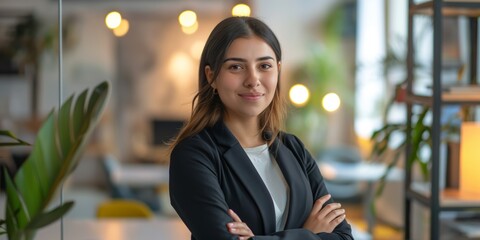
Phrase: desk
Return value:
(117, 229)
(360, 172)
(140, 175)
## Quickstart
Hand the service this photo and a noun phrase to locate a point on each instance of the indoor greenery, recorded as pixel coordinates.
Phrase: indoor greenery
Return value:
(420, 137)
(55, 154)
(324, 70)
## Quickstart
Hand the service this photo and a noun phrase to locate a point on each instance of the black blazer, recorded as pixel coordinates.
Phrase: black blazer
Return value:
(210, 173)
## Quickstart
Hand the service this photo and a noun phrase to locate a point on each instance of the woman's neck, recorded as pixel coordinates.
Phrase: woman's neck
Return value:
(247, 131)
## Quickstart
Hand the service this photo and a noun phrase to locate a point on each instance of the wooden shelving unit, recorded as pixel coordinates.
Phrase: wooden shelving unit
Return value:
(431, 196)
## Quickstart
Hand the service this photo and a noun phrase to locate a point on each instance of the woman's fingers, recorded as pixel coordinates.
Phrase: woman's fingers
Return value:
(319, 203)
(324, 218)
(235, 217)
(238, 227)
(330, 209)
(334, 214)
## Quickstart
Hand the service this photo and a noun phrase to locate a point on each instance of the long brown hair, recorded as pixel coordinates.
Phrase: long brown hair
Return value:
(207, 108)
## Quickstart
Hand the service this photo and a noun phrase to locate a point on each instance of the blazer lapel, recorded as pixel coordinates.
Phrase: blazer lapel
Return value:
(300, 201)
(241, 165)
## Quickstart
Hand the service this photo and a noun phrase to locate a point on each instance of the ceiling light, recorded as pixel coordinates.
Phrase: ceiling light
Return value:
(187, 18)
(113, 19)
(241, 10)
(122, 29)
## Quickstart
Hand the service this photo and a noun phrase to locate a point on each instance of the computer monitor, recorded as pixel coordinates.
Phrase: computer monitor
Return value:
(165, 130)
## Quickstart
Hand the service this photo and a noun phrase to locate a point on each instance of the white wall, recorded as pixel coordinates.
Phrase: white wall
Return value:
(294, 24)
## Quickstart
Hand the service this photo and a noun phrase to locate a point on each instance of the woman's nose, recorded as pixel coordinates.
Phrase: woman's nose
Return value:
(253, 79)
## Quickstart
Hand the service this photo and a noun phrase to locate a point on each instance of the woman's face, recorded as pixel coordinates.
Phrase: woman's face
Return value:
(247, 79)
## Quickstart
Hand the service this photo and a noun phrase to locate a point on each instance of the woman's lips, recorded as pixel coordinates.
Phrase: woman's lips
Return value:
(251, 96)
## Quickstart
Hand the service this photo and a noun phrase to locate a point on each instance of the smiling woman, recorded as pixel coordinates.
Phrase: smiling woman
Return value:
(233, 173)
(247, 79)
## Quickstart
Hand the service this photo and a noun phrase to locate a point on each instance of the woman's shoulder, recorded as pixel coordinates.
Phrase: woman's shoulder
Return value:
(201, 139)
(200, 144)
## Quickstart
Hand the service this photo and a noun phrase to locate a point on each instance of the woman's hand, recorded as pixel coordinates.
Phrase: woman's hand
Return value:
(324, 219)
(238, 227)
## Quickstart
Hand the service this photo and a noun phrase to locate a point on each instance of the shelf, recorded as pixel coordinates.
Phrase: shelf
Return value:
(469, 8)
(444, 199)
(450, 199)
(447, 98)
(461, 97)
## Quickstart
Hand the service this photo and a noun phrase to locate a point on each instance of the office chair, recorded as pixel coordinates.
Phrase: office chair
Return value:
(123, 209)
(148, 195)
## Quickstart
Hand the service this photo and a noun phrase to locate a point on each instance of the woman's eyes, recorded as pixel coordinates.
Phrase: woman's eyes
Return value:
(236, 67)
(265, 66)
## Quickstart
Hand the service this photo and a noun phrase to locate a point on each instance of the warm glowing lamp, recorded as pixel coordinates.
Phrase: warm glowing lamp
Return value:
(113, 19)
(190, 29)
(122, 29)
(331, 102)
(187, 18)
(470, 157)
(299, 95)
(241, 10)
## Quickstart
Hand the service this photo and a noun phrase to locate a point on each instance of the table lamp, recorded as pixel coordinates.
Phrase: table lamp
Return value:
(470, 157)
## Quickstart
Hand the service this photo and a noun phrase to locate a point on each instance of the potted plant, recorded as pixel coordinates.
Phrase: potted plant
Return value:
(55, 154)
(392, 137)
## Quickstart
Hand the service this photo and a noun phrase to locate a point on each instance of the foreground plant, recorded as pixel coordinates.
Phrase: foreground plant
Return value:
(55, 154)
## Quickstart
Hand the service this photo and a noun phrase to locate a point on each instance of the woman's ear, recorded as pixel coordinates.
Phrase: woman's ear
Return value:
(279, 65)
(209, 75)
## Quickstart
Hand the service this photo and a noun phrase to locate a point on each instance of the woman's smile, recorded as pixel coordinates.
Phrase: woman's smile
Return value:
(251, 96)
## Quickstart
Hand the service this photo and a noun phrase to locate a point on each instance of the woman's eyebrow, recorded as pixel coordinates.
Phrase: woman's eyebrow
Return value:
(244, 60)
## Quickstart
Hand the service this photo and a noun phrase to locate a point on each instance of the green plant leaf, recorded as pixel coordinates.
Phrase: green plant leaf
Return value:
(15, 207)
(78, 113)
(16, 141)
(65, 134)
(45, 219)
(56, 152)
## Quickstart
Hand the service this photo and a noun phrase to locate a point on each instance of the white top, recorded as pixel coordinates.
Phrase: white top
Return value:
(272, 176)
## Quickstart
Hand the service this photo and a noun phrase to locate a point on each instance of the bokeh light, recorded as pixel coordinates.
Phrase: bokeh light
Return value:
(187, 18)
(331, 102)
(113, 19)
(241, 10)
(122, 29)
(191, 29)
(299, 95)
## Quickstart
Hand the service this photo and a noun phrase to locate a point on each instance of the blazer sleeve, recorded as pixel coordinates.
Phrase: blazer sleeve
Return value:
(343, 231)
(195, 192)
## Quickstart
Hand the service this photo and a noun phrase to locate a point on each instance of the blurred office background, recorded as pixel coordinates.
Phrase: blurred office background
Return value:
(342, 61)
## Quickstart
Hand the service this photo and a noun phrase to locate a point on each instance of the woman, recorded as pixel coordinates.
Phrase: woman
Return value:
(233, 173)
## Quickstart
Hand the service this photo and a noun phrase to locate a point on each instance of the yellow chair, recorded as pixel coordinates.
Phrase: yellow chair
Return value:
(123, 208)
